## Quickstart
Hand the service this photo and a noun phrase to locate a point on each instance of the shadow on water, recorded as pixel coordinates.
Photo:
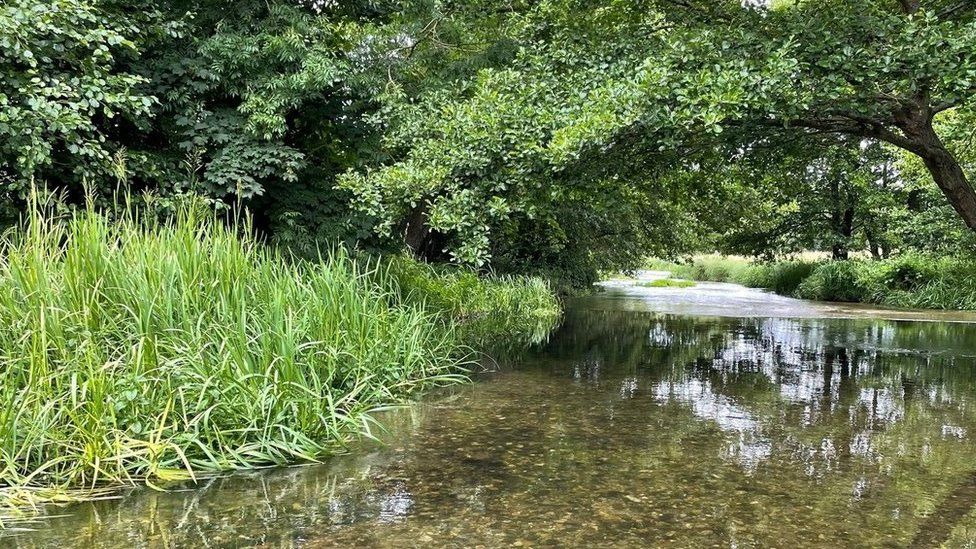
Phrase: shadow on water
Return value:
(629, 428)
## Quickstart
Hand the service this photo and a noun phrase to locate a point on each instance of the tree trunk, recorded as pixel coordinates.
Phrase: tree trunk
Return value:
(846, 232)
(950, 178)
(872, 244)
(910, 6)
(916, 124)
(422, 241)
(842, 219)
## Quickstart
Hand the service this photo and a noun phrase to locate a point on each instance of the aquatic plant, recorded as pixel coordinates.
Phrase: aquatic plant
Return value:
(667, 283)
(139, 350)
(485, 309)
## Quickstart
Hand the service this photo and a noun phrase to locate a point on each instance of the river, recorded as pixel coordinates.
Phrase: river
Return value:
(714, 416)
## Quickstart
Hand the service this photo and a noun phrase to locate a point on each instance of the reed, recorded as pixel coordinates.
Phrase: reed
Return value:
(138, 350)
(486, 309)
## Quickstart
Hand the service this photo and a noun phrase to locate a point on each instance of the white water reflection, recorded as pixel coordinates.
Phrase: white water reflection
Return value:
(748, 446)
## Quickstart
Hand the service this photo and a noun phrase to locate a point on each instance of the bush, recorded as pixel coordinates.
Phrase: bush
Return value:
(719, 269)
(909, 280)
(905, 272)
(782, 277)
(920, 281)
(710, 268)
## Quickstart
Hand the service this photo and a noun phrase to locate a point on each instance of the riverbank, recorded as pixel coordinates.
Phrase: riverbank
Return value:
(908, 281)
(654, 417)
(137, 351)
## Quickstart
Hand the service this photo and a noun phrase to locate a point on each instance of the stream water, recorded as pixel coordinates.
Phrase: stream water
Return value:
(712, 416)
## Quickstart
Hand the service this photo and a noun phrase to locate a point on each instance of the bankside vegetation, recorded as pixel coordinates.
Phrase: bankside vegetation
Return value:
(668, 283)
(908, 280)
(139, 349)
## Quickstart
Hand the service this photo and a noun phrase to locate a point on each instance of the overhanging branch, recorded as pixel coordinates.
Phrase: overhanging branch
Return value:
(850, 124)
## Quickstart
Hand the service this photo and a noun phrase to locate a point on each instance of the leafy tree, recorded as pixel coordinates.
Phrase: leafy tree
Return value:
(819, 193)
(885, 70)
(63, 86)
(566, 136)
(596, 83)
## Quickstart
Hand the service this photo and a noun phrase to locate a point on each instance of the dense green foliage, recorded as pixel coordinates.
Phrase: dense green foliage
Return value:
(560, 138)
(908, 280)
(60, 87)
(134, 348)
(651, 101)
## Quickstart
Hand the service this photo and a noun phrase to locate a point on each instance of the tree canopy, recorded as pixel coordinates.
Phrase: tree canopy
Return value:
(566, 135)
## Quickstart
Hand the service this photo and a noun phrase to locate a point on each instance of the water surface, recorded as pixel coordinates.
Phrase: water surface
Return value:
(635, 426)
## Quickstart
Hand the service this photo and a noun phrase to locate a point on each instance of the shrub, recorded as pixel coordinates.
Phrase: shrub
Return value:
(484, 308)
(909, 280)
(906, 272)
(719, 268)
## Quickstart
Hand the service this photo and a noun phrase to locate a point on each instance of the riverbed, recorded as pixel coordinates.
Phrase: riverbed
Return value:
(713, 416)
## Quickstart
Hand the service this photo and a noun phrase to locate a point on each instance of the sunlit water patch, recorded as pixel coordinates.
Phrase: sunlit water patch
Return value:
(630, 428)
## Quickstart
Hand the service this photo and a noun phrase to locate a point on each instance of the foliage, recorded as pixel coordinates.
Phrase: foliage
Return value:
(486, 310)
(668, 283)
(64, 81)
(709, 268)
(782, 277)
(834, 281)
(558, 139)
(501, 145)
(136, 349)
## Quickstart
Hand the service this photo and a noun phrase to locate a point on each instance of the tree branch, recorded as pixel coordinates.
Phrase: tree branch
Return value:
(910, 6)
(850, 124)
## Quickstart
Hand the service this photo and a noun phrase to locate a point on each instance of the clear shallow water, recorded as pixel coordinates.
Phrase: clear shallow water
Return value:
(630, 428)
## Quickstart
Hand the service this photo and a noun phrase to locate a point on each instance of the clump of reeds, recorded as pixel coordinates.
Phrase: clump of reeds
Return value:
(140, 350)
(485, 308)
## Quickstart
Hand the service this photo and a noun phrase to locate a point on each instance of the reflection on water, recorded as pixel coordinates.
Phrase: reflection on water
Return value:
(629, 428)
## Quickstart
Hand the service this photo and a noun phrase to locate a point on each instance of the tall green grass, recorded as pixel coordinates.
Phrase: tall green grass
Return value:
(485, 309)
(909, 280)
(134, 350)
(706, 268)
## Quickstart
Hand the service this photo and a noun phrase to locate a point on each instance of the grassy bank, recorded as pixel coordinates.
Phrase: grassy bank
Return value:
(139, 351)
(909, 280)
(485, 310)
